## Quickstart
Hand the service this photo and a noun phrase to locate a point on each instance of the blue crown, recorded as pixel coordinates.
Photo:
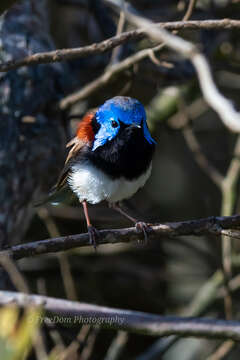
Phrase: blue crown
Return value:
(123, 109)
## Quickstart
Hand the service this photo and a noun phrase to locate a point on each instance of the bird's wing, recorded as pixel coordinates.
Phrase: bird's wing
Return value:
(84, 136)
(75, 146)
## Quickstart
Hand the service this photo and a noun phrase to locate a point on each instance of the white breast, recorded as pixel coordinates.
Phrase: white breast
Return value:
(92, 185)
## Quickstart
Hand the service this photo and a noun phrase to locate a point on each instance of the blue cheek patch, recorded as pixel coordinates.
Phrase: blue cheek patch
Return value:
(105, 133)
(125, 109)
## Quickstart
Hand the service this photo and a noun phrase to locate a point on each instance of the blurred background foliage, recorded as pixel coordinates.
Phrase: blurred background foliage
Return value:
(165, 276)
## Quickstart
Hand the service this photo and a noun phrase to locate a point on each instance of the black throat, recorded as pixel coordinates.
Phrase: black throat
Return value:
(128, 155)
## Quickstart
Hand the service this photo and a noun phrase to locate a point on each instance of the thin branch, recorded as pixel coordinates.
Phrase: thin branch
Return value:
(106, 45)
(200, 158)
(205, 226)
(222, 350)
(223, 106)
(72, 349)
(120, 27)
(65, 267)
(105, 78)
(228, 203)
(17, 278)
(73, 53)
(76, 313)
(113, 70)
(190, 9)
(117, 345)
(181, 120)
(89, 346)
(204, 297)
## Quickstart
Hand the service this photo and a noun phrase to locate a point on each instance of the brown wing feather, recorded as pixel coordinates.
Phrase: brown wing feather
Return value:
(76, 145)
(84, 136)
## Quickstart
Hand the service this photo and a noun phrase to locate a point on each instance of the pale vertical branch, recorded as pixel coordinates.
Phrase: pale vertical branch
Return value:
(62, 257)
(228, 204)
(88, 349)
(120, 27)
(117, 345)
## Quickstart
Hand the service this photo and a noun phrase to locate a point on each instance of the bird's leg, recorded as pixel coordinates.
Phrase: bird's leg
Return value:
(140, 225)
(93, 233)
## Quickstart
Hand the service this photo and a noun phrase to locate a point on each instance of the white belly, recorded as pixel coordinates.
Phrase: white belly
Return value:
(92, 185)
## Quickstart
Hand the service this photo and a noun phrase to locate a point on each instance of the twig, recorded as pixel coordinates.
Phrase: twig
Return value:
(234, 284)
(224, 107)
(89, 346)
(65, 267)
(77, 313)
(74, 53)
(185, 114)
(104, 78)
(120, 27)
(200, 158)
(190, 9)
(205, 226)
(72, 349)
(17, 278)
(228, 202)
(222, 351)
(227, 185)
(203, 298)
(117, 345)
(115, 69)
(96, 48)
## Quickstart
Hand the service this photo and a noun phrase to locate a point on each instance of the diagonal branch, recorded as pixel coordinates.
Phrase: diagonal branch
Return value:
(73, 53)
(105, 78)
(77, 314)
(205, 226)
(114, 69)
(224, 107)
(109, 44)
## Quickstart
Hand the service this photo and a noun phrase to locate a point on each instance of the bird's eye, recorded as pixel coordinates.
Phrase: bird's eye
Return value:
(114, 123)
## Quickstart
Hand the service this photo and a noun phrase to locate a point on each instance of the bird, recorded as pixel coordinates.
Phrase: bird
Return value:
(110, 158)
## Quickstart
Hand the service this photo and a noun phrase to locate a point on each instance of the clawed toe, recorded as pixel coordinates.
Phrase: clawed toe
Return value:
(93, 235)
(145, 228)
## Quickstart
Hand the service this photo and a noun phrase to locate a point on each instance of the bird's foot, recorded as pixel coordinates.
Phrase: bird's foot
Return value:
(93, 235)
(145, 229)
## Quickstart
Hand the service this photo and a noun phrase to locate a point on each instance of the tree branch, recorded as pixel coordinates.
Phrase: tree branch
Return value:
(224, 107)
(106, 45)
(104, 79)
(74, 53)
(76, 313)
(115, 68)
(211, 225)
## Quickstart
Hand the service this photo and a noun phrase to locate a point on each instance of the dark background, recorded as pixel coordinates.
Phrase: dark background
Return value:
(163, 276)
